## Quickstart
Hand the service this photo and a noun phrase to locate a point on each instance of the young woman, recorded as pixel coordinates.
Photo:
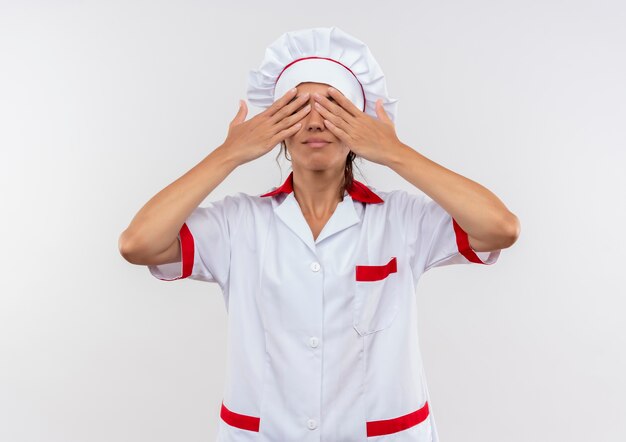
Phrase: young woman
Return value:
(319, 274)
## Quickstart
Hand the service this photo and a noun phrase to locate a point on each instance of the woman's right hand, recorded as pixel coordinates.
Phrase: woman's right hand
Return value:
(248, 140)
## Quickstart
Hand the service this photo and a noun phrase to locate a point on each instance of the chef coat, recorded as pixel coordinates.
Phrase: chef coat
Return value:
(322, 333)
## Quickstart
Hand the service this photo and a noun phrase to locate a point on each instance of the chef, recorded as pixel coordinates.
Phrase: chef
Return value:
(319, 273)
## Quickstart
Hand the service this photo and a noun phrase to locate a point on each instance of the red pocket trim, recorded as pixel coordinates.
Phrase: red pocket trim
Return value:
(242, 421)
(388, 426)
(376, 273)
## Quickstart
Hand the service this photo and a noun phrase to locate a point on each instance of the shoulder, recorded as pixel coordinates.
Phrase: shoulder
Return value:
(230, 207)
(242, 206)
(399, 199)
(239, 200)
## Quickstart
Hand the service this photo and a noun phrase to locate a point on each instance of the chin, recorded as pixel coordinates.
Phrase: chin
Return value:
(320, 165)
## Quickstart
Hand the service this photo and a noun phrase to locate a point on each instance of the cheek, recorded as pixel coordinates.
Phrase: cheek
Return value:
(296, 135)
(289, 140)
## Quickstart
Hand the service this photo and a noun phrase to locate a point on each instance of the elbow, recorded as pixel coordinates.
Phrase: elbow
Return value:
(129, 247)
(511, 229)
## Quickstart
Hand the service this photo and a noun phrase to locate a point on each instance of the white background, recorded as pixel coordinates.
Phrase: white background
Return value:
(102, 104)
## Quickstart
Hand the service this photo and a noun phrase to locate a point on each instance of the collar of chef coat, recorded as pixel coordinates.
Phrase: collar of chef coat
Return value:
(344, 216)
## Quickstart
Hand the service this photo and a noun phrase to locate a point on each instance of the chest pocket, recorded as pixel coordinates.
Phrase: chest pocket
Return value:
(375, 297)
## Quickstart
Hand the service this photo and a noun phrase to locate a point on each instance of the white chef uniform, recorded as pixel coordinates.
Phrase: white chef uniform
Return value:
(322, 333)
(323, 342)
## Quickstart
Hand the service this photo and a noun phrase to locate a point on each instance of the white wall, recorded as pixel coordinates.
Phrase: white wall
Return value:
(102, 104)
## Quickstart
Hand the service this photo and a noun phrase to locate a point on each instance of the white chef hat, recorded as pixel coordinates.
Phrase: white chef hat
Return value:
(321, 55)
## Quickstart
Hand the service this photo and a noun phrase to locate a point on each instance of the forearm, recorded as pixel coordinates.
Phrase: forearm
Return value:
(476, 209)
(155, 227)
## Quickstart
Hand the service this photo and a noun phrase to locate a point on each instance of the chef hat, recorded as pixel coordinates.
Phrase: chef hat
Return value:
(321, 55)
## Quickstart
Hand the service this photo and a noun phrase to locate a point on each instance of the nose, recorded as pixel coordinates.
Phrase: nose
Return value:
(314, 119)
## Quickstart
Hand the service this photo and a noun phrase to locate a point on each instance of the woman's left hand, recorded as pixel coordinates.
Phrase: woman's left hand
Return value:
(372, 138)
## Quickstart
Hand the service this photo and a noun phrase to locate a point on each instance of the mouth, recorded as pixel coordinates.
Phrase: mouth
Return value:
(317, 143)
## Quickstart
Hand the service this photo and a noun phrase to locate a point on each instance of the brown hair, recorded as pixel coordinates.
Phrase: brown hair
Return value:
(348, 176)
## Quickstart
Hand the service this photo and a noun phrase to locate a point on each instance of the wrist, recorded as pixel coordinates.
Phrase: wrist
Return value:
(226, 155)
(397, 154)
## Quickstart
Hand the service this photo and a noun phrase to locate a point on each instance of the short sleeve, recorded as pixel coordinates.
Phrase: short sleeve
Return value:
(434, 237)
(205, 242)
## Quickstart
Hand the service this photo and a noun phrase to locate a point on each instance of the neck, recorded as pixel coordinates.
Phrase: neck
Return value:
(318, 191)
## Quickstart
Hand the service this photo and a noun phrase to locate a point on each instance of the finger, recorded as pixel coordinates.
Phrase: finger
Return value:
(380, 112)
(337, 131)
(286, 133)
(294, 118)
(330, 105)
(337, 120)
(241, 113)
(282, 101)
(290, 108)
(344, 102)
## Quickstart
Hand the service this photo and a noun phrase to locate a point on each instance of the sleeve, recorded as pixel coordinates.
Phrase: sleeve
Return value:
(205, 242)
(434, 237)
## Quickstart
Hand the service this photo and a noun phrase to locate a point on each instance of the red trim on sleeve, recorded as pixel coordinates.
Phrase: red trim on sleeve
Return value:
(376, 273)
(239, 420)
(388, 426)
(462, 242)
(187, 251)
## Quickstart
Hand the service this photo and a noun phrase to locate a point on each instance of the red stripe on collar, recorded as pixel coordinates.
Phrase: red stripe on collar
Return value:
(358, 191)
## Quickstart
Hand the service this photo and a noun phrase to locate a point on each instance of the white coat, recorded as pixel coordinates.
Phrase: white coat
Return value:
(323, 342)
